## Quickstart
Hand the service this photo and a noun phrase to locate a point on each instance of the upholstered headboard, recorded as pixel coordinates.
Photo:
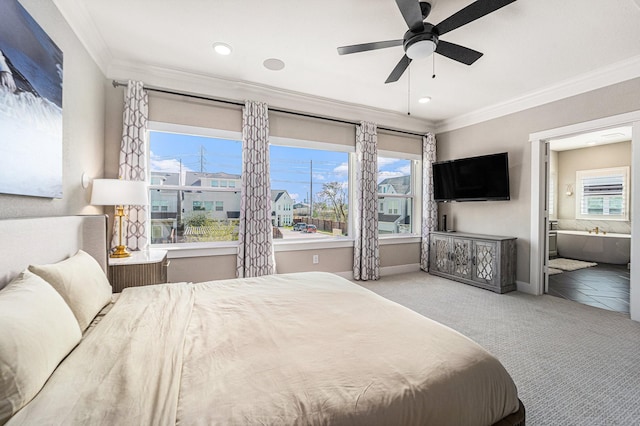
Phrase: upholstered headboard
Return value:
(48, 240)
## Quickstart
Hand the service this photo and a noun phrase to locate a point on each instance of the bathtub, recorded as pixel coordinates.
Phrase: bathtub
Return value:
(603, 248)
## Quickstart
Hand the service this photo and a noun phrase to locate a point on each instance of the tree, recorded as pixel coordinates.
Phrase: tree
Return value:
(335, 195)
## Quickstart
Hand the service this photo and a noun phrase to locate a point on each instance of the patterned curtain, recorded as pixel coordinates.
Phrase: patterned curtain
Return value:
(255, 238)
(429, 206)
(366, 261)
(133, 160)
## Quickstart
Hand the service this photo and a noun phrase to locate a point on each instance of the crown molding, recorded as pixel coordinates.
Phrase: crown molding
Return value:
(605, 76)
(236, 90)
(84, 28)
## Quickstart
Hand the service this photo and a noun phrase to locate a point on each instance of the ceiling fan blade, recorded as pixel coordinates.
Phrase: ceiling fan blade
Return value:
(458, 53)
(474, 11)
(412, 14)
(355, 48)
(399, 69)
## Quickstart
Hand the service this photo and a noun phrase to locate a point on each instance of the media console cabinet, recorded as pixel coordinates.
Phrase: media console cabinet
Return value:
(485, 261)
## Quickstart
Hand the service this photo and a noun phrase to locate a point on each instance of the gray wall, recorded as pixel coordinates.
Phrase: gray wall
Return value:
(83, 123)
(511, 133)
(591, 158)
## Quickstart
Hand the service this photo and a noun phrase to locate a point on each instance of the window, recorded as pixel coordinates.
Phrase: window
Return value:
(602, 194)
(397, 194)
(191, 197)
(315, 181)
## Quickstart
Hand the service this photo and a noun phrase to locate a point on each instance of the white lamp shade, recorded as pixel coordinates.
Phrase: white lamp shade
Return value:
(117, 192)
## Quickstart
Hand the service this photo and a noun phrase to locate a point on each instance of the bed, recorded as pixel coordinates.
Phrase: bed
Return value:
(305, 348)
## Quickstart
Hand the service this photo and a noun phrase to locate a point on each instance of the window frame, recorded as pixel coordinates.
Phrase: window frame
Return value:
(220, 247)
(187, 250)
(593, 173)
(351, 161)
(415, 193)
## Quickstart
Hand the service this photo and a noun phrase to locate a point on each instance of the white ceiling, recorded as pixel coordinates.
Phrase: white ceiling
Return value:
(535, 51)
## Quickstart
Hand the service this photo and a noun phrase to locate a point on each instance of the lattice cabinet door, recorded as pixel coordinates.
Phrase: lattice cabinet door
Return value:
(461, 257)
(485, 264)
(439, 255)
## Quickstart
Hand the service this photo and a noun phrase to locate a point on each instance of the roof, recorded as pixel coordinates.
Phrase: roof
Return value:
(401, 184)
(388, 217)
(194, 178)
(276, 194)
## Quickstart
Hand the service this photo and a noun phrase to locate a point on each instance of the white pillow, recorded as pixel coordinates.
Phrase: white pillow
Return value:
(82, 284)
(37, 330)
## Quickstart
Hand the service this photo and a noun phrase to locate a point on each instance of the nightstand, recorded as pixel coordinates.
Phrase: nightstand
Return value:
(144, 267)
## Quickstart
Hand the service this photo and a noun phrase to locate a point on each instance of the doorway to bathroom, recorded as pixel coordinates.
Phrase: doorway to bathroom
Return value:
(540, 272)
(589, 235)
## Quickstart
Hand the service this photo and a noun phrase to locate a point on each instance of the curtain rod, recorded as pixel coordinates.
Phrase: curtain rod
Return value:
(284, 111)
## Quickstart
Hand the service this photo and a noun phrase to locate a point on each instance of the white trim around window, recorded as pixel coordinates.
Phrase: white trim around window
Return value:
(415, 195)
(603, 194)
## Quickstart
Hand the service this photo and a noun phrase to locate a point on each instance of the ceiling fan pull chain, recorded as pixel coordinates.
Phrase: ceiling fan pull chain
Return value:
(433, 57)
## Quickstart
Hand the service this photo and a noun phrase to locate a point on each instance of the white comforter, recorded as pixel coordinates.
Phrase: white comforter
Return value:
(304, 349)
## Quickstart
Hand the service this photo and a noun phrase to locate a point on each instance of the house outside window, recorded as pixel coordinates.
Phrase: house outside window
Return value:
(397, 195)
(191, 205)
(310, 184)
(603, 194)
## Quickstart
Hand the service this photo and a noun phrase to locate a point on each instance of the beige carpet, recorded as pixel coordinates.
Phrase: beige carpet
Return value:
(573, 364)
(569, 264)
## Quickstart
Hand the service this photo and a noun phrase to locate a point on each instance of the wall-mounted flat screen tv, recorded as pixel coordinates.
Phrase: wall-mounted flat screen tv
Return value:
(480, 178)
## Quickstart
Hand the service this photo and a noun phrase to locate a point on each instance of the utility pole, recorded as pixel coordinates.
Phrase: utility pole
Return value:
(202, 159)
(311, 188)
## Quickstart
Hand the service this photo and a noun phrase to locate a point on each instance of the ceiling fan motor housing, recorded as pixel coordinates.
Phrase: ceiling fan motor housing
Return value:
(418, 45)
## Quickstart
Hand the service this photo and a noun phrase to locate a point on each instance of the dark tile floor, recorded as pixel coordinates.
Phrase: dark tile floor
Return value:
(604, 286)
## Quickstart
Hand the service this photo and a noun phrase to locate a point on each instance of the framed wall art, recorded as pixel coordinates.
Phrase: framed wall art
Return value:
(30, 106)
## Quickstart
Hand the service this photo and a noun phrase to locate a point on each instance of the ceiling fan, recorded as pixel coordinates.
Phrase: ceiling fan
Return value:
(423, 38)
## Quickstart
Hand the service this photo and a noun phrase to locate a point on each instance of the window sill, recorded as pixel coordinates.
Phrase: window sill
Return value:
(399, 239)
(176, 251)
(185, 250)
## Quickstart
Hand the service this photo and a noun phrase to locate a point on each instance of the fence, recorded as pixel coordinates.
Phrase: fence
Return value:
(322, 224)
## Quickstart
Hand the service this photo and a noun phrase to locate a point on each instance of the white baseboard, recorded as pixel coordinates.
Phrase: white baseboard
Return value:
(526, 288)
(399, 269)
(386, 271)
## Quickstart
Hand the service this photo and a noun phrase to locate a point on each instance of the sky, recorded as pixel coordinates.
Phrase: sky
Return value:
(292, 169)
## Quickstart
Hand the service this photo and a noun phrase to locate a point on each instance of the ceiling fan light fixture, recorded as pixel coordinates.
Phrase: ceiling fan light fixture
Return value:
(222, 48)
(420, 48)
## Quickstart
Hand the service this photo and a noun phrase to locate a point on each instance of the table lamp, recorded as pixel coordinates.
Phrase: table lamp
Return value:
(119, 193)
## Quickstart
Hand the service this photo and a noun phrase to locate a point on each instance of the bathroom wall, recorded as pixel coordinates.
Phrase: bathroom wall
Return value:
(553, 185)
(595, 157)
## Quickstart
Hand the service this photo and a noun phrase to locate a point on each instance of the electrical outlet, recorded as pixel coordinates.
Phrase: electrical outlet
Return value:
(316, 259)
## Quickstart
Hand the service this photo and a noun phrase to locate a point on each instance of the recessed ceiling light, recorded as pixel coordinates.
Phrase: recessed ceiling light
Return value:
(273, 64)
(222, 48)
(425, 99)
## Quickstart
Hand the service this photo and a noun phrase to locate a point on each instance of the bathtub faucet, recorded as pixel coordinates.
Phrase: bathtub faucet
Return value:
(596, 230)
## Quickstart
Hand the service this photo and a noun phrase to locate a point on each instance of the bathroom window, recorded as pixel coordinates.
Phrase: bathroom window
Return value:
(603, 194)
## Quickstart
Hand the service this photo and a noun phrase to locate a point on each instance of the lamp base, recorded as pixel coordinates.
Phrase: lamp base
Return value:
(119, 252)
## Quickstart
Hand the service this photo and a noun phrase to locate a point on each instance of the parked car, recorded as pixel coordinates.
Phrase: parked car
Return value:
(311, 229)
(300, 226)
